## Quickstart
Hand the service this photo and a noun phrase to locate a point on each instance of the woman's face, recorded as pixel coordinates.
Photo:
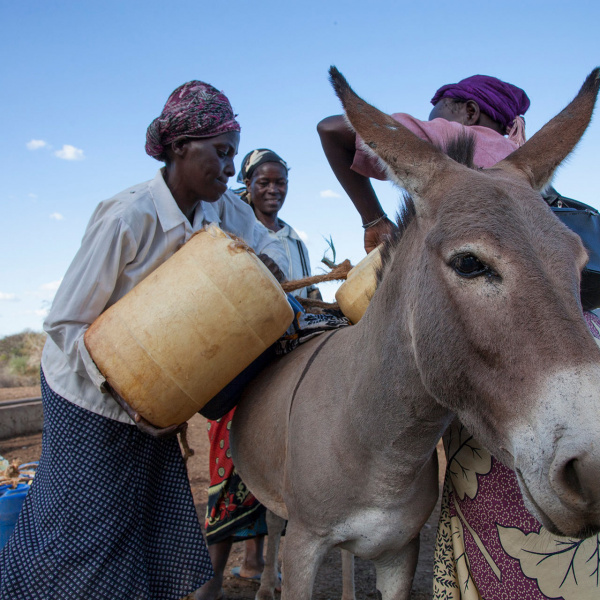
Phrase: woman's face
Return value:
(268, 188)
(207, 165)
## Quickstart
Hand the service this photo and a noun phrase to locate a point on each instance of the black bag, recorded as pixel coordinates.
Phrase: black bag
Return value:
(584, 220)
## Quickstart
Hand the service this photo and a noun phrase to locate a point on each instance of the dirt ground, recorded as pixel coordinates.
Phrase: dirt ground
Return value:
(19, 392)
(329, 579)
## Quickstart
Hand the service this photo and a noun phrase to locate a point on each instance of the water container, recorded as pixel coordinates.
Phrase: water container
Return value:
(184, 332)
(356, 292)
(11, 501)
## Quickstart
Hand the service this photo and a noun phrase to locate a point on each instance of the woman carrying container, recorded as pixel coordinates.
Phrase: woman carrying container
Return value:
(110, 513)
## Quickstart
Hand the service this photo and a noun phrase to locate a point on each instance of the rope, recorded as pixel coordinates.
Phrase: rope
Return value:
(338, 272)
(312, 303)
(187, 451)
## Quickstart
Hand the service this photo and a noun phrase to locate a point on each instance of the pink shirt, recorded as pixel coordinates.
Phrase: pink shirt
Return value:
(490, 146)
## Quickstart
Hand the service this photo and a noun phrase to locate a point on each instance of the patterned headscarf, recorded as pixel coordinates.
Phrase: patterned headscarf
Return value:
(254, 159)
(501, 101)
(194, 110)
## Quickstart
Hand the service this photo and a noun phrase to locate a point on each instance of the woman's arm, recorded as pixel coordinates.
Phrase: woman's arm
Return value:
(339, 144)
(86, 289)
(107, 246)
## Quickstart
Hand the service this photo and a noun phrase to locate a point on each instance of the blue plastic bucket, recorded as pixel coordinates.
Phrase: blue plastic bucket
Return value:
(11, 501)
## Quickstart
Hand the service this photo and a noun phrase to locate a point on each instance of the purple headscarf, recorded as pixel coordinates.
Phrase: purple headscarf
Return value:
(501, 101)
(196, 110)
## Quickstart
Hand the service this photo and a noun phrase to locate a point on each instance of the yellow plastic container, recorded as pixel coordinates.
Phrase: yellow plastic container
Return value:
(356, 292)
(184, 332)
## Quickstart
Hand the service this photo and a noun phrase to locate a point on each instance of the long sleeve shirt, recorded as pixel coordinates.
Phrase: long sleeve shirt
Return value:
(127, 238)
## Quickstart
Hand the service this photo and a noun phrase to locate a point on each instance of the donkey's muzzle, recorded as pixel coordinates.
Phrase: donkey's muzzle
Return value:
(575, 478)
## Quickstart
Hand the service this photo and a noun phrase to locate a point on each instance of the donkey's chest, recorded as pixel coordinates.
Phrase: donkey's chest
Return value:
(370, 533)
(378, 515)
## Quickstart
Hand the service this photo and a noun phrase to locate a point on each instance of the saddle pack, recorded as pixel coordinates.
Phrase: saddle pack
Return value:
(584, 220)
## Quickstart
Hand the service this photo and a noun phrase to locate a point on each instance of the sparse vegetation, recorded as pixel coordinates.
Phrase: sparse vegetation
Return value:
(20, 356)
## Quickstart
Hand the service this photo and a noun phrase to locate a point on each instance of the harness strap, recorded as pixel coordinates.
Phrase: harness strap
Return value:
(305, 371)
(305, 271)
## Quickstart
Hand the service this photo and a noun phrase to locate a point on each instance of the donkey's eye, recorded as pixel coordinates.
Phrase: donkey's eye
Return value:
(468, 265)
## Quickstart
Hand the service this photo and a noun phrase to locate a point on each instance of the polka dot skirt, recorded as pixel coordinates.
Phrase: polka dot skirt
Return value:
(110, 515)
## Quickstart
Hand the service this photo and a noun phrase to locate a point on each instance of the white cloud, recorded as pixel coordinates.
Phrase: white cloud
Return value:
(57, 216)
(5, 296)
(68, 152)
(329, 194)
(302, 235)
(32, 196)
(41, 312)
(51, 286)
(36, 144)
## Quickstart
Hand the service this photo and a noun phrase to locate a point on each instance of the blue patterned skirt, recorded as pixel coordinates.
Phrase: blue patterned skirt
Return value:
(110, 515)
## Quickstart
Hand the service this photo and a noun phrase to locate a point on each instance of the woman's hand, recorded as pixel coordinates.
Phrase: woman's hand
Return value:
(379, 233)
(314, 293)
(141, 423)
(273, 267)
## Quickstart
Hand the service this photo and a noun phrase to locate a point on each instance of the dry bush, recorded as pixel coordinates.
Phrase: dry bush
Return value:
(8, 379)
(33, 346)
(20, 357)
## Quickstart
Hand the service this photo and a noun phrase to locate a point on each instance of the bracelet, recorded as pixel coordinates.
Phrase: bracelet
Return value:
(377, 220)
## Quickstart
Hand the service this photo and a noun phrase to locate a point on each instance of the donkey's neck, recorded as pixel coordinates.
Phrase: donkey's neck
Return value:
(387, 406)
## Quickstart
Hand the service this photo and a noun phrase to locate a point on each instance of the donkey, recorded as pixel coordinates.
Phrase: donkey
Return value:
(477, 316)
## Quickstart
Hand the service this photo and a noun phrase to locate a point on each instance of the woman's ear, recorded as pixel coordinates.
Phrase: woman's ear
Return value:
(247, 183)
(472, 112)
(179, 147)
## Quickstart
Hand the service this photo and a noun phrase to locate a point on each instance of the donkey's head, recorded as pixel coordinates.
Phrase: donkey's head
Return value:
(484, 288)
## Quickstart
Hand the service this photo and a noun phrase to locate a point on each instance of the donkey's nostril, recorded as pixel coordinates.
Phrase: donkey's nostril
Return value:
(571, 478)
(576, 482)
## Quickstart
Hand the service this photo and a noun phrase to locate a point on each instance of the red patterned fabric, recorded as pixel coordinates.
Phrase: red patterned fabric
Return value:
(232, 510)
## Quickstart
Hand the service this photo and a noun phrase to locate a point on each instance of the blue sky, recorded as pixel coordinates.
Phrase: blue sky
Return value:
(81, 81)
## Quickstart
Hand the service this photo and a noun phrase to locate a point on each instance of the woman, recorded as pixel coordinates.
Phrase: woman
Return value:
(265, 175)
(484, 107)
(110, 513)
(488, 545)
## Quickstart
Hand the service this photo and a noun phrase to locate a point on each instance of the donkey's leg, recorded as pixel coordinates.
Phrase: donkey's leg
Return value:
(348, 590)
(395, 572)
(270, 575)
(302, 555)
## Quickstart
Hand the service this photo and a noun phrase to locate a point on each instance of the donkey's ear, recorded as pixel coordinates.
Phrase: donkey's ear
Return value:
(538, 158)
(410, 161)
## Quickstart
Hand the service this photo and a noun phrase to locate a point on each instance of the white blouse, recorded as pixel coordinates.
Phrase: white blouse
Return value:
(297, 256)
(127, 238)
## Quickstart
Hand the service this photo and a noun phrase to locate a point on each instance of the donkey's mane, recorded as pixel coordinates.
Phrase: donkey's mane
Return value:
(404, 218)
(461, 149)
